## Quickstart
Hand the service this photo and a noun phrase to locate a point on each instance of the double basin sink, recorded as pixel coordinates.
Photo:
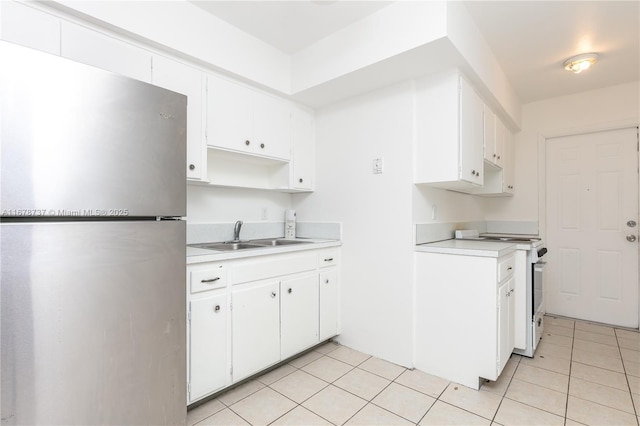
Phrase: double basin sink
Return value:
(246, 245)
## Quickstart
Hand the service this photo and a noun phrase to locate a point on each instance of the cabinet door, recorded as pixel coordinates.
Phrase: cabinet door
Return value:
(229, 117)
(506, 307)
(271, 126)
(303, 146)
(298, 314)
(329, 304)
(471, 134)
(92, 48)
(490, 154)
(208, 366)
(29, 27)
(501, 134)
(256, 327)
(508, 166)
(180, 78)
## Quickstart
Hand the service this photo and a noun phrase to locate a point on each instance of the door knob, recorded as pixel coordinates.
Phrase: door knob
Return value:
(631, 238)
(631, 223)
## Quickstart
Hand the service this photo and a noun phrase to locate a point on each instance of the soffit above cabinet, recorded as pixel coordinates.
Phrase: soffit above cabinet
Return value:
(401, 40)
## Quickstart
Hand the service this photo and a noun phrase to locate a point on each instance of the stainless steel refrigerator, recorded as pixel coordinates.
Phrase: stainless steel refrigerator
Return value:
(92, 196)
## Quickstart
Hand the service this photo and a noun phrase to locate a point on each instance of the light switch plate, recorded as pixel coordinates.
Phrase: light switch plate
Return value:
(377, 166)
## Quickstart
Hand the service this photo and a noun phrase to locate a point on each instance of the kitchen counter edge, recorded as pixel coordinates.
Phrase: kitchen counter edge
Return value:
(197, 255)
(468, 248)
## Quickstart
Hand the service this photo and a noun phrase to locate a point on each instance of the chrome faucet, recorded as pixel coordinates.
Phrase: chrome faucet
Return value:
(236, 231)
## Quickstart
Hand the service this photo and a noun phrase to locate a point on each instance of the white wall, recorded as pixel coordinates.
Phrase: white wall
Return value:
(212, 204)
(593, 110)
(377, 214)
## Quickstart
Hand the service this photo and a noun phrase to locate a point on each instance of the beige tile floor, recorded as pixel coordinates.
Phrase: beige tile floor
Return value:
(582, 373)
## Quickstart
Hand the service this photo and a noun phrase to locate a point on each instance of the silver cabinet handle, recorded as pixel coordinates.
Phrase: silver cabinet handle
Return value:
(631, 238)
(210, 280)
(273, 294)
(216, 309)
(330, 259)
(509, 268)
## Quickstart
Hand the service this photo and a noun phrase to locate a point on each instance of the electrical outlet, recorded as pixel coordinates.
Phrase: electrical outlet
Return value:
(377, 166)
(264, 215)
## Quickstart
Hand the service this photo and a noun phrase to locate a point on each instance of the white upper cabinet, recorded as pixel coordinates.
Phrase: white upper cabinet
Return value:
(494, 139)
(303, 146)
(93, 48)
(449, 134)
(498, 180)
(180, 78)
(247, 121)
(29, 27)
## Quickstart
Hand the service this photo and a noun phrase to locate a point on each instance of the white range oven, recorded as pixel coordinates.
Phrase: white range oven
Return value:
(528, 290)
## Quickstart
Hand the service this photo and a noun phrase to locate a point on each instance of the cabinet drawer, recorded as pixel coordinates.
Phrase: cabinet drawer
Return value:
(505, 268)
(328, 258)
(252, 270)
(208, 279)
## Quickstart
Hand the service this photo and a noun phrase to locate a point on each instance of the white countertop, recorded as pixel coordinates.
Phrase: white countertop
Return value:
(469, 248)
(198, 255)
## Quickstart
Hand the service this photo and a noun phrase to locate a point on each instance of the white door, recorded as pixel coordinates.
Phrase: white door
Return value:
(592, 194)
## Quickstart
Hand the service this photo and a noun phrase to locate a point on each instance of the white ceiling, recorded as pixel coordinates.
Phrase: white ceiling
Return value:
(530, 39)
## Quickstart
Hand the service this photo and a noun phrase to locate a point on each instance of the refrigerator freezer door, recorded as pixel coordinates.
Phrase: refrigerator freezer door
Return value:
(93, 323)
(79, 141)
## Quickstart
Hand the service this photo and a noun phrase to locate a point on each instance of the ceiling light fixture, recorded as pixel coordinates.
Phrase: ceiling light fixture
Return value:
(579, 63)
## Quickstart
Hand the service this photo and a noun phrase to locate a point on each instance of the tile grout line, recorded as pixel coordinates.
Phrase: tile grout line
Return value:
(566, 404)
(504, 395)
(626, 377)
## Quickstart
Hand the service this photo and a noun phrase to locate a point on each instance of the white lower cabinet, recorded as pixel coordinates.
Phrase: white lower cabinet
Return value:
(464, 315)
(329, 300)
(299, 314)
(209, 368)
(248, 314)
(256, 327)
(506, 306)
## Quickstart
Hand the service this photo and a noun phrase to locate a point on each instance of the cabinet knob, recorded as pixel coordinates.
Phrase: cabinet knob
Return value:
(192, 167)
(326, 281)
(247, 142)
(289, 291)
(509, 268)
(473, 172)
(300, 180)
(273, 294)
(478, 174)
(498, 157)
(494, 155)
(262, 145)
(217, 309)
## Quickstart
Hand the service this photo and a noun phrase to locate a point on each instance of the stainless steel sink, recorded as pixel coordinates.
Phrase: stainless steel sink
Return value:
(226, 246)
(277, 242)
